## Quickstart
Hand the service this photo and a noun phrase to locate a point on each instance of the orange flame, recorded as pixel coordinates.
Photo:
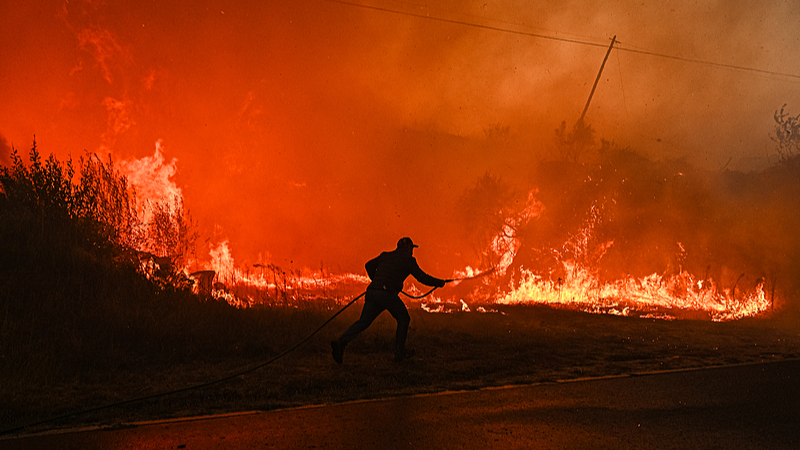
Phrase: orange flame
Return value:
(268, 283)
(653, 293)
(151, 178)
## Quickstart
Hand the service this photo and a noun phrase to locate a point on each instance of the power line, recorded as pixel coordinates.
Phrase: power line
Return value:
(571, 41)
(468, 24)
(468, 17)
(711, 63)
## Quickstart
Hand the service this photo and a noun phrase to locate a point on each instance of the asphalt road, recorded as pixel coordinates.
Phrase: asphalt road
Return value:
(742, 407)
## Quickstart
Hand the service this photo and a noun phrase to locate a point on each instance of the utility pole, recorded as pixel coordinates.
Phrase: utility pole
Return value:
(586, 108)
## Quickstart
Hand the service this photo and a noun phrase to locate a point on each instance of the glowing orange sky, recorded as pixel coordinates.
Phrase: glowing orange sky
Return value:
(320, 132)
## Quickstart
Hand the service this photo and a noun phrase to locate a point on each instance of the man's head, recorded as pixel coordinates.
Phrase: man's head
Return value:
(406, 244)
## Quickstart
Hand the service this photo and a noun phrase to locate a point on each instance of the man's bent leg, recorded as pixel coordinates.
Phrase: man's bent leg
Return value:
(370, 311)
(399, 311)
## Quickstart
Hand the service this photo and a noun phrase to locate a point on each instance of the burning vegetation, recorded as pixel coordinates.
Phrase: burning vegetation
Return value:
(604, 229)
(51, 223)
(626, 235)
(599, 228)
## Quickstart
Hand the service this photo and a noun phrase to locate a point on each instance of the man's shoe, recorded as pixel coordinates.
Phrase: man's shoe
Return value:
(338, 351)
(402, 355)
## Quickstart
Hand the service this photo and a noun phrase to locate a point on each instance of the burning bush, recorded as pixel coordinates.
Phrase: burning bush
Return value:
(487, 210)
(49, 222)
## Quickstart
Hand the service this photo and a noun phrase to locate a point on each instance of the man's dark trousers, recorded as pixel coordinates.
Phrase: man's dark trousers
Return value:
(375, 302)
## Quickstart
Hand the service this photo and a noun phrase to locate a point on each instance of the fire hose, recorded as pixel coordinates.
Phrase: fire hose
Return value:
(229, 377)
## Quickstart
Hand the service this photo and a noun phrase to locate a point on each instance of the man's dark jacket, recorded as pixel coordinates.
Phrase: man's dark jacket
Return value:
(389, 270)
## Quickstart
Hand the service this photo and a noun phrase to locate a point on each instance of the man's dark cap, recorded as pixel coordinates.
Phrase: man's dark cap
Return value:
(406, 242)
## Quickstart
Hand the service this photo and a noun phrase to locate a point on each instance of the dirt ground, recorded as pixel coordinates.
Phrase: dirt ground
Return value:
(461, 351)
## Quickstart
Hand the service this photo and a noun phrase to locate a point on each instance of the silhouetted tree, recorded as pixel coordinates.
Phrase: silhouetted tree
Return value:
(787, 134)
(571, 145)
(487, 210)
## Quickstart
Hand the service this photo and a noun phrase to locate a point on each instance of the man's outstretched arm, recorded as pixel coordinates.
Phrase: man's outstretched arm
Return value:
(426, 279)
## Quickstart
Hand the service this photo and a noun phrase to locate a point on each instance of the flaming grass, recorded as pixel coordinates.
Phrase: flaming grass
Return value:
(648, 295)
(678, 296)
(577, 260)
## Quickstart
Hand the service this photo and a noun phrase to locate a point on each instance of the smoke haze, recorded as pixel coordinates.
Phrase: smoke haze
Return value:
(318, 132)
